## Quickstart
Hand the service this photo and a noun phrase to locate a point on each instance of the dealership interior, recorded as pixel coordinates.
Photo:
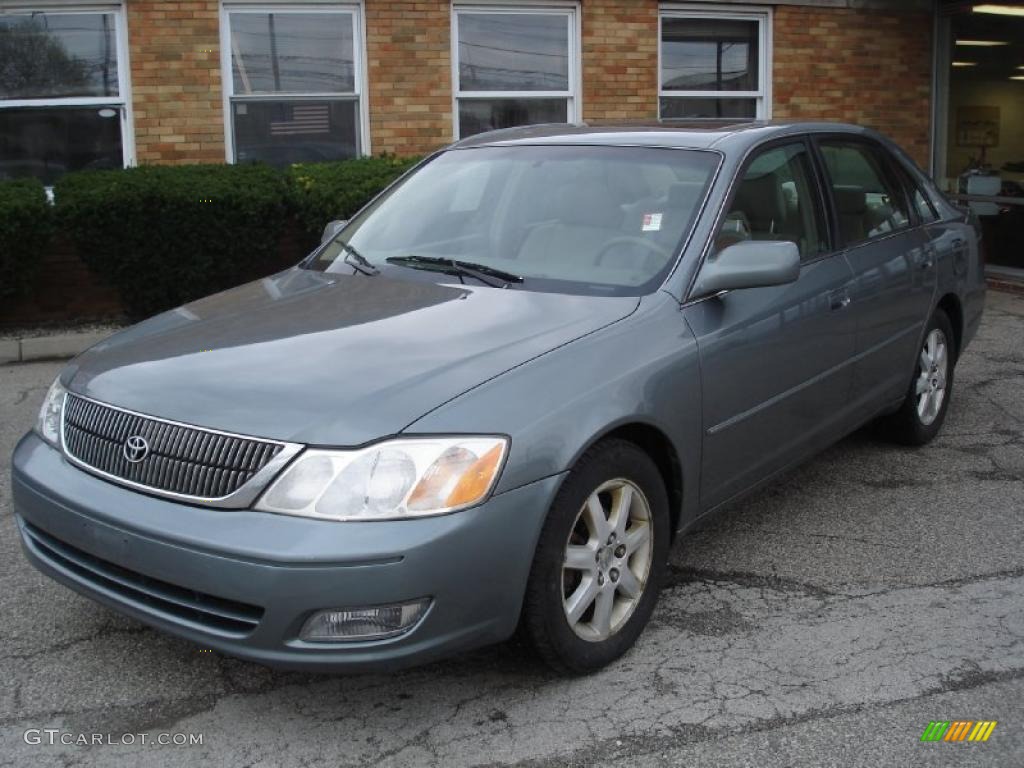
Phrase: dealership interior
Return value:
(979, 130)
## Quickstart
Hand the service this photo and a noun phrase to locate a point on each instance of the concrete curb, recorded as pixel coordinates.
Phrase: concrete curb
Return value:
(10, 351)
(1006, 286)
(56, 347)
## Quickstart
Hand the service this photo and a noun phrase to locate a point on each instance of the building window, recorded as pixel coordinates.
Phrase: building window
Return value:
(713, 65)
(514, 66)
(293, 84)
(63, 81)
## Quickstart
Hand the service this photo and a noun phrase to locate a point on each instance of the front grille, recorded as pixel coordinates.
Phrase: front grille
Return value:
(210, 612)
(183, 460)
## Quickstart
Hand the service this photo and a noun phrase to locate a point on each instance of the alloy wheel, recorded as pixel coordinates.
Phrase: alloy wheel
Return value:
(933, 373)
(607, 560)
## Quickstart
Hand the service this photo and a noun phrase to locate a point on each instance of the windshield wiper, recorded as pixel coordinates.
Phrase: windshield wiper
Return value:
(357, 261)
(483, 273)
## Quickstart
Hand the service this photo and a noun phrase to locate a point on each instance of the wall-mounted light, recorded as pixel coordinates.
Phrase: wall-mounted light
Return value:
(1001, 10)
(982, 43)
(1017, 77)
(965, 63)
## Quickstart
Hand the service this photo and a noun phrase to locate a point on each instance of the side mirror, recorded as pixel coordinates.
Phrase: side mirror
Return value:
(332, 228)
(750, 264)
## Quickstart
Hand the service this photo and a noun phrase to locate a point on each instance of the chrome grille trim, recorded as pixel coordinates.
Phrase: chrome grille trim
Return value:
(186, 462)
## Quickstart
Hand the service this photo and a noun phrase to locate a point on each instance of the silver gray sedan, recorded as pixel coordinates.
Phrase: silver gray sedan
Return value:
(497, 395)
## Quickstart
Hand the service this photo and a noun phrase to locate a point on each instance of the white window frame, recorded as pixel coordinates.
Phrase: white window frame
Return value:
(572, 95)
(359, 83)
(763, 16)
(122, 102)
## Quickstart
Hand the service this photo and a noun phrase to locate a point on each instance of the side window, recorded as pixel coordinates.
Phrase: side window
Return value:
(777, 200)
(923, 205)
(926, 212)
(868, 201)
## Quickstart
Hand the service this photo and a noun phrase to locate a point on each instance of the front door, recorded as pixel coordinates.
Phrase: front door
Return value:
(775, 361)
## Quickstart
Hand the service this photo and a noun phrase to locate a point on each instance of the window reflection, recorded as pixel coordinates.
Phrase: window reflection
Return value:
(292, 53)
(52, 55)
(709, 55)
(502, 59)
(513, 52)
(710, 67)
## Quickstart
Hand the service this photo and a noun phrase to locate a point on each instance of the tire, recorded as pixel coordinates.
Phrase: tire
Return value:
(915, 423)
(614, 473)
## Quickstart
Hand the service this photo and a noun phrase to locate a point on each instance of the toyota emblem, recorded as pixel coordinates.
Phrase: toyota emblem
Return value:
(136, 448)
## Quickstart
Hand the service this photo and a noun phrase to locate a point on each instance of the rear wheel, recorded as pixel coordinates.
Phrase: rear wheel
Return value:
(600, 559)
(920, 417)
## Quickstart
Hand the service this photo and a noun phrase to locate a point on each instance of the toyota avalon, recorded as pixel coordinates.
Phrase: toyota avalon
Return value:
(497, 395)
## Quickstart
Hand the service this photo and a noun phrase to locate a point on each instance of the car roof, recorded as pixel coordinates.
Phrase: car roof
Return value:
(702, 134)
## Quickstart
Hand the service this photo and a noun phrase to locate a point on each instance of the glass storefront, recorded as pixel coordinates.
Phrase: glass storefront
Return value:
(979, 142)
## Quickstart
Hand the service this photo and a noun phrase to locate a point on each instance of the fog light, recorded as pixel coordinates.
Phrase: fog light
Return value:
(371, 623)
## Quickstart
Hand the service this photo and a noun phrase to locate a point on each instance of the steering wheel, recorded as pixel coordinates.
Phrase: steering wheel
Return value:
(629, 240)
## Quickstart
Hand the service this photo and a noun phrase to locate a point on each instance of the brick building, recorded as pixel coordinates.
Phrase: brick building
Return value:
(182, 81)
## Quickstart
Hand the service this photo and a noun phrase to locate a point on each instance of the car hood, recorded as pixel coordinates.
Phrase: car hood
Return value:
(329, 359)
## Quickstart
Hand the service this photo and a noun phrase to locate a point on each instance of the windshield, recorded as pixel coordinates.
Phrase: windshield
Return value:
(573, 219)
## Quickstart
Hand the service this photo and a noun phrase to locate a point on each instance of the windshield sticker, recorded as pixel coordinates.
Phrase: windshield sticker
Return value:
(652, 222)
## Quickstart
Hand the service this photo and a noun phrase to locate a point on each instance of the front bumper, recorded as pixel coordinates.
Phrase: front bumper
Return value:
(243, 582)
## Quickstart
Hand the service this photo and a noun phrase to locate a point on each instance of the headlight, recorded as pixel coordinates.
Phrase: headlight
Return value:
(396, 479)
(48, 424)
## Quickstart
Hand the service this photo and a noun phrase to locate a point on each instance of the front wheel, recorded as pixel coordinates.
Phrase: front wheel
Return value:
(599, 562)
(920, 417)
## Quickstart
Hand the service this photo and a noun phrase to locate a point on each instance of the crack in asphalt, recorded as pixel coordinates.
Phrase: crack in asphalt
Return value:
(629, 746)
(680, 575)
(105, 631)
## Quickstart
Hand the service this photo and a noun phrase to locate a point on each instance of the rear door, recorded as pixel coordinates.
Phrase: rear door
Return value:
(892, 262)
(775, 361)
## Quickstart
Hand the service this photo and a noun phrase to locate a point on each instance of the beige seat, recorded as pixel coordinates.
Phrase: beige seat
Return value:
(584, 220)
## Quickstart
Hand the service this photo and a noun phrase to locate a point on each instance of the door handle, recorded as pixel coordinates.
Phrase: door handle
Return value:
(928, 256)
(839, 299)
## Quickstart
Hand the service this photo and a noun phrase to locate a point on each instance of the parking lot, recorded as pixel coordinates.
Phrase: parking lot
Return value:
(824, 621)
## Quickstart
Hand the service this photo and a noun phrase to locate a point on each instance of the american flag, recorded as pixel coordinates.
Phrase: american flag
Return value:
(305, 118)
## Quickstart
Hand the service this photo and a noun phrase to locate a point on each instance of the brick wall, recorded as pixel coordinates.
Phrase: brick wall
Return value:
(860, 66)
(174, 49)
(620, 60)
(865, 66)
(408, 52)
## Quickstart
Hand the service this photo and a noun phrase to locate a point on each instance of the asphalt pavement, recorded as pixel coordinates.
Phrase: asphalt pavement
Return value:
(824, 621)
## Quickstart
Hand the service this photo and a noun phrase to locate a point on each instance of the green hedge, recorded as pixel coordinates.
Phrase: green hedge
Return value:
(26, 226)
(165, 235)
(323, 192)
